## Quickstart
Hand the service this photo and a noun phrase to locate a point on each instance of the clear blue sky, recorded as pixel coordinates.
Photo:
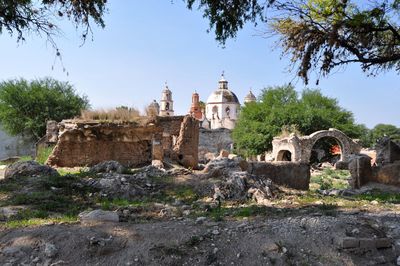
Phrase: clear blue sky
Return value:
(146, 43)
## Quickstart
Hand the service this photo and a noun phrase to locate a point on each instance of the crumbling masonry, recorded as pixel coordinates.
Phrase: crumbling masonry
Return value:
(86, 143)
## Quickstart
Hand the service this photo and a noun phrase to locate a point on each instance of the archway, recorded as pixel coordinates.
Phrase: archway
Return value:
(326, 149)
(284, 155)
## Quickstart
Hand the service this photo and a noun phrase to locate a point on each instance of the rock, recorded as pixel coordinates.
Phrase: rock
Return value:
(398, 261)
(50, 250)
(209, 156)
(10, 160)
(108, 167)
(326, 165)
(342, 165)
(383, 243)
(12, 251)
(350, 242)
(200, 220)
(215, 232)
(99, 216)
(223, 154)
(157, 163)
(29, 168)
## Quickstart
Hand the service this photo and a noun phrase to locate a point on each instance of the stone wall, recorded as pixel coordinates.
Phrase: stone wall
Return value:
(291, 174)
(300, 147)
(82, 143)
(15, 145)
(213, 141)
(386, 170)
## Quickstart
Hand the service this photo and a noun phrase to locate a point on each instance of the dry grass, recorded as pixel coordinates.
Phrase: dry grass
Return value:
(117, 114)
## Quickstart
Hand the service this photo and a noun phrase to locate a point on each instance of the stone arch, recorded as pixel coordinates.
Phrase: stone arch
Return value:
(290, 144)
(284, 155)
(346, 144)
(300, 147)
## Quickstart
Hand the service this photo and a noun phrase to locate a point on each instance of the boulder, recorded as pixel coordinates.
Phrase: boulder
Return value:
(29, 168)
(108, 167)
(157, 164)
(342, 165)
(223, 154)
(99, 216)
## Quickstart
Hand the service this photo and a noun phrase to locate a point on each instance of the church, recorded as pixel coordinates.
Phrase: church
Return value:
(220, 111)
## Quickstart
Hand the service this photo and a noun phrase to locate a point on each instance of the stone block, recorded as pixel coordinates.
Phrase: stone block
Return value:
(367, 243)
(383, 243)
(290, 174)
(350, 242)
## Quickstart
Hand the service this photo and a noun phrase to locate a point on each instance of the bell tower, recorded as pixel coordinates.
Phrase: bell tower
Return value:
(195, 109)
(167, 104)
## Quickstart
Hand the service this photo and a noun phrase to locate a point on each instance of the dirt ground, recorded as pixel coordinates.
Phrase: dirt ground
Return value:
(294, 240)
(174, 223)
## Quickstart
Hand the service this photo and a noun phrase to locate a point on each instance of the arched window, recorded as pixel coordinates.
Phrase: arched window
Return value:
(215, 109)
(227, 110)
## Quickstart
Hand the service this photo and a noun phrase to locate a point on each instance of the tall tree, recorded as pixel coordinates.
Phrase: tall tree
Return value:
(26, 106)
(22, 17)
(319, 35)
(281, 108)
(384, 130)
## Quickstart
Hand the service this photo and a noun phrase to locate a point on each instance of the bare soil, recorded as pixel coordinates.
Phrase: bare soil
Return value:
(176, 224)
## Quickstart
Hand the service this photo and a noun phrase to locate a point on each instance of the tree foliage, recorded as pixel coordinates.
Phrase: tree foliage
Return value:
(384, 130)
(26, 106)
(22, 17)
(282, 109)
(318, 35)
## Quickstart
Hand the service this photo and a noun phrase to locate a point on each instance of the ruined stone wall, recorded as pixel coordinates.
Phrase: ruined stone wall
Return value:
(213, 141)
(83, 143)
(86, 145)
(171, 126)
(186, 148)
(385, 171)
(291, 174)
(301, 147)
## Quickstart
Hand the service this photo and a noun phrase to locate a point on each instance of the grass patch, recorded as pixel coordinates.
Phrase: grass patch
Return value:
(39, 221)
(112, 204)
(381, 197)
(43, 153)
(331, 179)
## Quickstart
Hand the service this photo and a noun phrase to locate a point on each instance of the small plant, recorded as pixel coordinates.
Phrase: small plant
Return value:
(43, 153)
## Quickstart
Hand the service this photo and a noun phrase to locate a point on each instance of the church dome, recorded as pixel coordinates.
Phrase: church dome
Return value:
(250, 97)
(223, 94)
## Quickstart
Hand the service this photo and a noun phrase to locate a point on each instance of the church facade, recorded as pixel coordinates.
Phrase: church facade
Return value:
(220, 111)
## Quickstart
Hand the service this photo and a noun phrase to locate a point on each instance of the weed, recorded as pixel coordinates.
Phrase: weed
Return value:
(380, 197)
(43, 153)
(193, 241)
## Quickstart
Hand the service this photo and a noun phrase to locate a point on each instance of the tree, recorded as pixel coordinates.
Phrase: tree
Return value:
(22, 17)
(319, 35)
(281, 108)
(384, 130)
(26, 106)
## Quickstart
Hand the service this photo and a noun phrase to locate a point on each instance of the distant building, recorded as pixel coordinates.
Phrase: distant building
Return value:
(250, 97)
(220, 111)
(15, 145)
(222, 107)
(195, 108)
(167, 104)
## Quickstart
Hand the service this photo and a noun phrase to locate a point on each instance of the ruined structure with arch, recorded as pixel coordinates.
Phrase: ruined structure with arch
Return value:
(298, 149)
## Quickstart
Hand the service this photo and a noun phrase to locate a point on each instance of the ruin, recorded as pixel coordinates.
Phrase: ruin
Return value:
(386, 170)
(298, 149)
(86, 143)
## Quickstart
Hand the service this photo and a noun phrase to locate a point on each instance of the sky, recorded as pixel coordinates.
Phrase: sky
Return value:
(148, 43)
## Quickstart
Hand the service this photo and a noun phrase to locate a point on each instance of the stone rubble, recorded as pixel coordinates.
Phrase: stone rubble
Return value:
(28, 168)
